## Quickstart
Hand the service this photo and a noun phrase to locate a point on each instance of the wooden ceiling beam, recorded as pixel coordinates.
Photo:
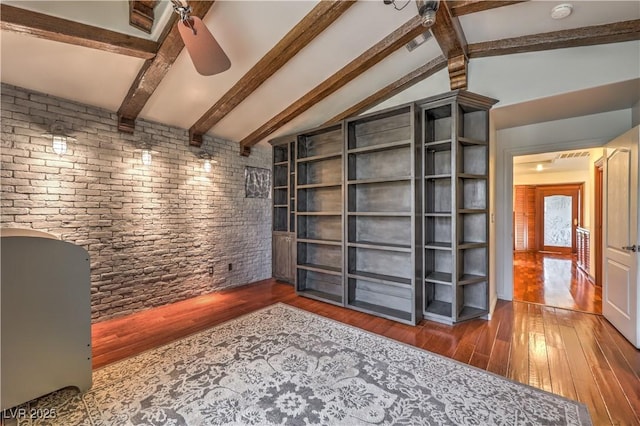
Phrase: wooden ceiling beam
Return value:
(153, 70)
(141, 15)
(392, 89)
(453, 43)
(17, 20)
(316, 21)
(464, 7)
(585, 36)
(353, 69)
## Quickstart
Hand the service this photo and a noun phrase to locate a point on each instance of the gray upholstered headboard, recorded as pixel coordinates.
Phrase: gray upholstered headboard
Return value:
(23, 232)
(45, 290)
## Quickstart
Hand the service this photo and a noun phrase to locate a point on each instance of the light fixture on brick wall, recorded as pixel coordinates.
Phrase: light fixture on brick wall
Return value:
(146, 157)
(145, 145)
(59, 137)
(145, 149)
(207, 161)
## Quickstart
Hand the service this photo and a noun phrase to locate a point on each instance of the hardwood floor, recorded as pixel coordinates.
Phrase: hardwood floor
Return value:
(554, 280)
(573, 354)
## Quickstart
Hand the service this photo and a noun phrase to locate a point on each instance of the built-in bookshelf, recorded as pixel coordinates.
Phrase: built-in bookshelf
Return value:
(387, 213)
(319, 214)
(382, 165)
(455, 201)
(283, 237)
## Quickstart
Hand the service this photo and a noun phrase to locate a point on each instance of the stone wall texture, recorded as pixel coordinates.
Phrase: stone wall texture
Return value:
(153, 231)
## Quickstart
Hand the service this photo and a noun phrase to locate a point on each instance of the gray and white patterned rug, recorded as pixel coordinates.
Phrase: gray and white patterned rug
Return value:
(285, 366)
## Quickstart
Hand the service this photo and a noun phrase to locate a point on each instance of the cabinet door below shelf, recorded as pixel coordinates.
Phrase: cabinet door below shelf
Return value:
(283, 257)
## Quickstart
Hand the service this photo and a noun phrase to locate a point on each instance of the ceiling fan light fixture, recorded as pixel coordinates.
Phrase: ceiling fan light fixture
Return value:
(206, 54)
(427, 10)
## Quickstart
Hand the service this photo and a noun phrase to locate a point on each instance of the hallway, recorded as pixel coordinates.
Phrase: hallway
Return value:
(554, 280)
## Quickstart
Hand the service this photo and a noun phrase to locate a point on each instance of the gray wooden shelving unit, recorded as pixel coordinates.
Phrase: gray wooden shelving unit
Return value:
(382, 163)
(283, 237)
(319, 214)
(455, 202)
(390, 210)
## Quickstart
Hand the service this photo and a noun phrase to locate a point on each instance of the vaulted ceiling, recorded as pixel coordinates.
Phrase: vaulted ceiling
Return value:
(295, 64)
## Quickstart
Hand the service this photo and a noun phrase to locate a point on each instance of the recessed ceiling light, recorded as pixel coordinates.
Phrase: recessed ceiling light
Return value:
(561, 11)
(539, 167)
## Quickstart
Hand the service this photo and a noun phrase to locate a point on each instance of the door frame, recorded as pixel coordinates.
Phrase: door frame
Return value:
(503, 234)
(576, 191)
(597, 219)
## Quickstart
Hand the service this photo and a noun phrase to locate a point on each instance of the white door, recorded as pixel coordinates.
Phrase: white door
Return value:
(620, 296)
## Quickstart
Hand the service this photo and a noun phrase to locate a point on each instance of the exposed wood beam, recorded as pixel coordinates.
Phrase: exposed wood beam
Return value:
(154, 70)
(453, 43)
(448, 32)
(584, 36)
(316, 21)
(392, 89)
(362, 63)
(465, 7)
(61, 30)
(141, 14)
(457, 66)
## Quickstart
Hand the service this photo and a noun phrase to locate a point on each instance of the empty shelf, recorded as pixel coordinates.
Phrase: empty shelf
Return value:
(381, 246)
(325, 242)
(319, 157)
(439, 308)
(381, 279)
(380, 147)
(471, 279)
(383, 311)
(439, 277)
(331, 270)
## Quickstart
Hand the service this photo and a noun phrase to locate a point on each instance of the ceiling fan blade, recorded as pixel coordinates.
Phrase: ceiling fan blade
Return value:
(205, 52)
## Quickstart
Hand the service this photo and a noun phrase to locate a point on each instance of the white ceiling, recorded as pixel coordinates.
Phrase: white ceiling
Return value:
(553, 162)
(248, 29)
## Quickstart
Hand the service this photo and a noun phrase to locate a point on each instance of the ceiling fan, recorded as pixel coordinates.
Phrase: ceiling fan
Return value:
(205, 52)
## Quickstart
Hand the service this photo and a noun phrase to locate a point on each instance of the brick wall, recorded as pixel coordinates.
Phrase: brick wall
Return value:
(152, 231)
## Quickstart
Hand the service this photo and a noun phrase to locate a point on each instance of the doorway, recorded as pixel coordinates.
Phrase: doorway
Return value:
(551, 240)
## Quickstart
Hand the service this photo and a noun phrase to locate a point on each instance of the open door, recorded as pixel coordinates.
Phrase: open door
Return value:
(620, 301)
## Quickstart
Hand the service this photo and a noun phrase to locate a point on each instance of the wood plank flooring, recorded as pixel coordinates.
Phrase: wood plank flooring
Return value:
(554, 280)
(573, 354)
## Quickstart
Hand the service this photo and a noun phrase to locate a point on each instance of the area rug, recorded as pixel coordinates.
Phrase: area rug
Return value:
(281, 365)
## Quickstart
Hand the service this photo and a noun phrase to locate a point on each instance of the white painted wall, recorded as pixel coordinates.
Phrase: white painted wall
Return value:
(575, 133)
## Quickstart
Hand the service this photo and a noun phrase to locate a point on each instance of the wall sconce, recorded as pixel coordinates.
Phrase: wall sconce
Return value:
(59, 138)
(207, 161)
(146, 157)
(145, 150)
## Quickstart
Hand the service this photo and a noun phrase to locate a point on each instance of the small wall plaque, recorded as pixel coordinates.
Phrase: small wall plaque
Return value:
(257, 182)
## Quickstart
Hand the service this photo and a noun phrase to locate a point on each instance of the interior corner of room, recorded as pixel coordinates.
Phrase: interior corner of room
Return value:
(461, 177)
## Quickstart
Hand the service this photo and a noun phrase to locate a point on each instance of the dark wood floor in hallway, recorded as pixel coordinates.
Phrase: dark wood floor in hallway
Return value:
(554, 280)
(573, 354)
